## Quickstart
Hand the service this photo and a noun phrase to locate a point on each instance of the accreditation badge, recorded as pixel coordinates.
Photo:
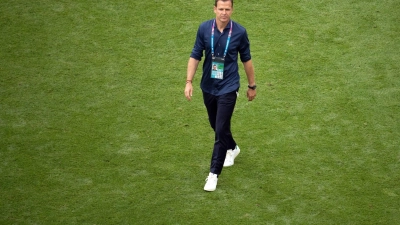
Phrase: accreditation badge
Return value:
(217, 70)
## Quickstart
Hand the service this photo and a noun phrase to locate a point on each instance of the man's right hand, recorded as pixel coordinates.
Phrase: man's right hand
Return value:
(189, 91)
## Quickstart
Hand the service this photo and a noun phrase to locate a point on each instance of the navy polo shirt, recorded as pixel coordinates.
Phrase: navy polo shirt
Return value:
(239, 45)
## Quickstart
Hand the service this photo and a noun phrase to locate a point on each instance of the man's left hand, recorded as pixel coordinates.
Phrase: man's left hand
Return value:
(251, 94)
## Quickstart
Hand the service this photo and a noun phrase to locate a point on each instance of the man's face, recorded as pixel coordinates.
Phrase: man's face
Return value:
(223, 11)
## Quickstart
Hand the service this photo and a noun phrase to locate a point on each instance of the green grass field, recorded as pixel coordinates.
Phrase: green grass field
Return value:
(95, 128)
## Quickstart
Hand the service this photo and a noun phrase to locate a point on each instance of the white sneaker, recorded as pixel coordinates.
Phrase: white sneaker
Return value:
(230, 156)
(211, 184)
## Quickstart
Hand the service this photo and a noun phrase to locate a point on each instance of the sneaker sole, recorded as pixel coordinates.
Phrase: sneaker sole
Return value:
(210, 190)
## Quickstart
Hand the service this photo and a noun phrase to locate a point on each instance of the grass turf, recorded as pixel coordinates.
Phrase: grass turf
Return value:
(95, 128)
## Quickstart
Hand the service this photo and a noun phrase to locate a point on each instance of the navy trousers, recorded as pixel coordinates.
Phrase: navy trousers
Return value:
(220, 110)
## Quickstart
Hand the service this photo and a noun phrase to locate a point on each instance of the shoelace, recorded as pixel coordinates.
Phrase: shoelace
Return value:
(210, 177)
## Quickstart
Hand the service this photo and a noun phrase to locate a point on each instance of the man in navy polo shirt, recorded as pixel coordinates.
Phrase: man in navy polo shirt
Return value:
(222, 40)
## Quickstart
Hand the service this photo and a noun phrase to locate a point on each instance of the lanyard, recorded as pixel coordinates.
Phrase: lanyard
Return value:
(227, 42)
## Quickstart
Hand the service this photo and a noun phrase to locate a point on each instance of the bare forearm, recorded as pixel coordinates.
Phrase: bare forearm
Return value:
(191, 68)
(249, 69)
(191, 71)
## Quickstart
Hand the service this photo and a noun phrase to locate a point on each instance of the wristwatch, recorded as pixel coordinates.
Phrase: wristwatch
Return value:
(252, 87)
